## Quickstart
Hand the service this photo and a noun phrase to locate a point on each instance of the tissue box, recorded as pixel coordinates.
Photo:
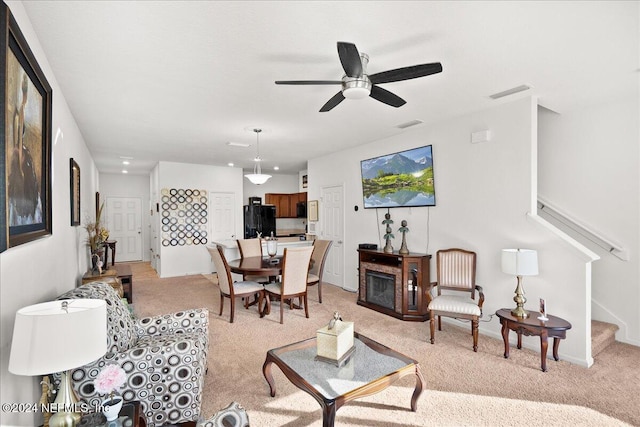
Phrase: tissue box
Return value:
(335, 345)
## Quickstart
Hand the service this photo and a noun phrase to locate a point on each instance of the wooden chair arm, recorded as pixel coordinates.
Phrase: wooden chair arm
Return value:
(481, 296)
(429, 291)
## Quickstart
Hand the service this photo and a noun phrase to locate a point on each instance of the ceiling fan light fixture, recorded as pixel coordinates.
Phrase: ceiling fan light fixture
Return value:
(356, 87)
(257, 177)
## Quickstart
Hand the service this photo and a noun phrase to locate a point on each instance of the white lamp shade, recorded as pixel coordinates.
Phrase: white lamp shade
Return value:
(520, 262)
(48, 338)
(257, 178)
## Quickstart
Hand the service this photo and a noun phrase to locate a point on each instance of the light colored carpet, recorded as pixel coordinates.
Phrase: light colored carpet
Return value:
(463, 388)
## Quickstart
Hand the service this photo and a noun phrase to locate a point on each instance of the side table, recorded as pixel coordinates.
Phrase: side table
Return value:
(109, 244)
(531, 326)
(130, 415)
(109, 276)
(126, 278)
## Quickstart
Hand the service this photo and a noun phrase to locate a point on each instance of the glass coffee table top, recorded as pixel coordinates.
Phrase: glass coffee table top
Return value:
(364, 366)
(370, 369)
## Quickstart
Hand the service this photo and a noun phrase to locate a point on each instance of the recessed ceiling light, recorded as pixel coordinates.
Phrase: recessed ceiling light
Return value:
(276, 168)
(230, 164)
(238, 144)
(511, 91)
(125, 171)
(126, 158)
(125, 162)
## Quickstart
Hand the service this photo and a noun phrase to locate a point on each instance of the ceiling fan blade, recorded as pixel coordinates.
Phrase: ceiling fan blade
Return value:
(308, 82)
(387, 97)
(335, 100)
(350, 59)
(406, 73)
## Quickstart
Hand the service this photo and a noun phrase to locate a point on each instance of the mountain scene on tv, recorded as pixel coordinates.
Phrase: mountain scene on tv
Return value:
(402, 179)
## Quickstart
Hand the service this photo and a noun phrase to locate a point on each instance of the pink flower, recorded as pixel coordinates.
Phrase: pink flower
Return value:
(110, 378)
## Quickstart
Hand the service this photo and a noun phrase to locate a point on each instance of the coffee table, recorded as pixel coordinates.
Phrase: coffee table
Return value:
(372, 368)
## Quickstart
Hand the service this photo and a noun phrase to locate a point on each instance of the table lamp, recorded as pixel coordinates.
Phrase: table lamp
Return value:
(520, 262)
(58, 336)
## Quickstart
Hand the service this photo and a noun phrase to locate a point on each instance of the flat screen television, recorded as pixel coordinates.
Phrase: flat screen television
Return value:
(402, 179)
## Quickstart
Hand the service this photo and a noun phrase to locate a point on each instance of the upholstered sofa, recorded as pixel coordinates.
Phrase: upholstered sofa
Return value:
(164, 357)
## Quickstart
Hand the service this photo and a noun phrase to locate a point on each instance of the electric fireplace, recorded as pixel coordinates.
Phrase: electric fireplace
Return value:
(380, 289)
(395, 284)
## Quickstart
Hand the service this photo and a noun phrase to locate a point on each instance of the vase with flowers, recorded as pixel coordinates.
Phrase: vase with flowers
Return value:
(108, 380)
(97, 234)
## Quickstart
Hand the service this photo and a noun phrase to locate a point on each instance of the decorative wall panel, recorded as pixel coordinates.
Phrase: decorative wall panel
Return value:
(184, 217)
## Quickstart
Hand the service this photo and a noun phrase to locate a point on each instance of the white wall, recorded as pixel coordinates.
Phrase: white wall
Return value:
(600, 187)
(41, 270)
(121, 185)
(183, 260)
(483, 194)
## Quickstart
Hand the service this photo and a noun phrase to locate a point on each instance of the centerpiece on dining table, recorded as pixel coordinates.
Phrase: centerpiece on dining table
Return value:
(272, 246)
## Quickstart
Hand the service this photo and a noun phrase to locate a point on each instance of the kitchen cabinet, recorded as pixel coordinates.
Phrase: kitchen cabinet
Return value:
(285, 203)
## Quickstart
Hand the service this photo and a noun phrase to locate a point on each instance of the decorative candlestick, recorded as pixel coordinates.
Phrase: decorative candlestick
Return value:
(403, 248)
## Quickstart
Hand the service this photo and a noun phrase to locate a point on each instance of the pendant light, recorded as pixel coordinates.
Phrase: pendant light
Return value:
(257, 177)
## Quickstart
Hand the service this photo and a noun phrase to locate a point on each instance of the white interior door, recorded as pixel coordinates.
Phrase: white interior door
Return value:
(124, 221)
(332, 220)
(222, 216)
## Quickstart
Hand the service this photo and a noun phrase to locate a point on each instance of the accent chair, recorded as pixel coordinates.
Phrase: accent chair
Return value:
(456, 274)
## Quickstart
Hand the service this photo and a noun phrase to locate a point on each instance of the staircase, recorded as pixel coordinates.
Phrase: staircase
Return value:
(602, 335)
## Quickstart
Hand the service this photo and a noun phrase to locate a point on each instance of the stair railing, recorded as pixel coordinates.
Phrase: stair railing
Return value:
(565, 221)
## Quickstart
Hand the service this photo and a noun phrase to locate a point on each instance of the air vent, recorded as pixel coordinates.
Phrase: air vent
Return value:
(409, 124)
(511, 91)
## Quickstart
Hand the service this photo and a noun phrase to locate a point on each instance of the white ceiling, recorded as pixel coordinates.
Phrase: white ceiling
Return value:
(177, 80)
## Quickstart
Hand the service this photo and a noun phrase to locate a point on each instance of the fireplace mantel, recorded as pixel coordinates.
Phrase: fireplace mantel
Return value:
(395, 284)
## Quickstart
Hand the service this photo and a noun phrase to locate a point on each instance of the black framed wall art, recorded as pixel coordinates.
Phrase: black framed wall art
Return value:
(74, 174)
(25, 188)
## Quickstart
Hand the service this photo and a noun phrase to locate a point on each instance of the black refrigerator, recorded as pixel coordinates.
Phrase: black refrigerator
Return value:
(259, 219)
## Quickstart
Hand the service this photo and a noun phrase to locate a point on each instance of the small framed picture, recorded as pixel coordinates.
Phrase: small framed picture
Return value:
(312, 210)
(543, 310)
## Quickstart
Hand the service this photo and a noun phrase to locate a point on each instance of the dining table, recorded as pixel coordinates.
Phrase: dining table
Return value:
(257, 266)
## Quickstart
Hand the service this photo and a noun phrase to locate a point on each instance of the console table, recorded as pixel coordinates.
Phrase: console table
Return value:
(395, 284)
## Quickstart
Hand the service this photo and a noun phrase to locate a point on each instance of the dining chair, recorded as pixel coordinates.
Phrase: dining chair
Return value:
(295, 267)
(229, 288)
(251, 248)
(318, 256)
(456, 273)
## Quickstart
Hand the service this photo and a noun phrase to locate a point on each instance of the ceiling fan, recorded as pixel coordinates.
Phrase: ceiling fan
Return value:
(356, 83)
